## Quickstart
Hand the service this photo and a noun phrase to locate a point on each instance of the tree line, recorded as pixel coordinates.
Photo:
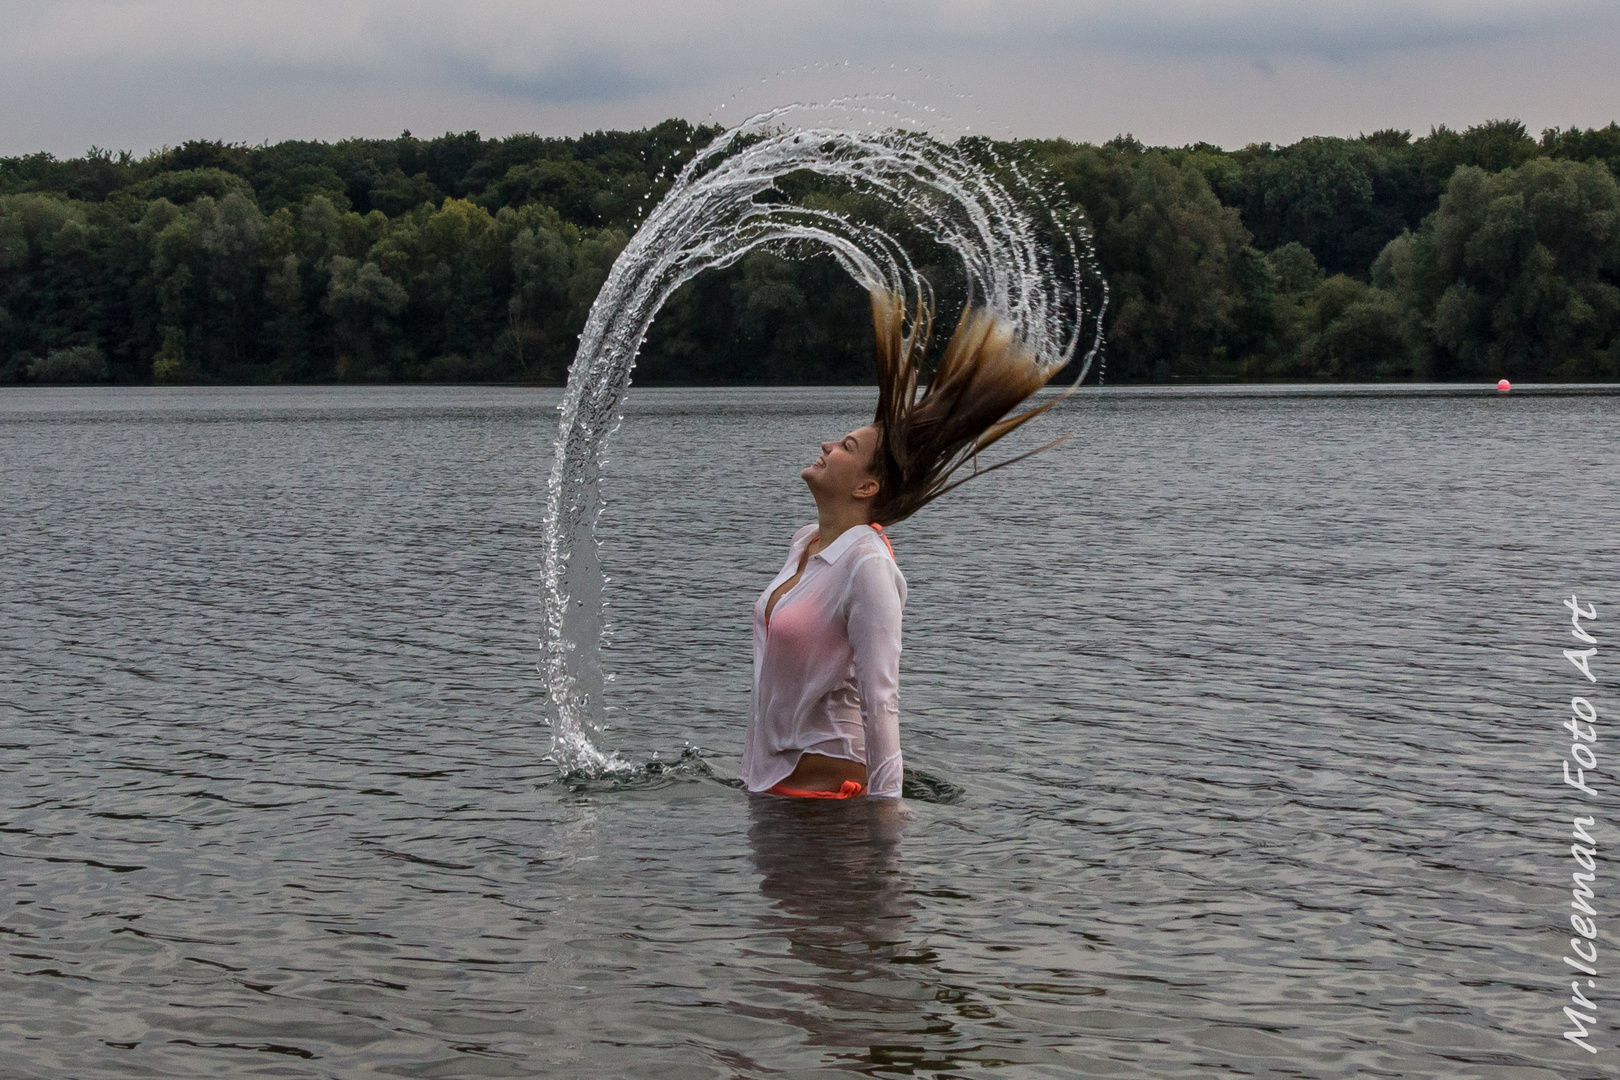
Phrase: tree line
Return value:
(1471, 254)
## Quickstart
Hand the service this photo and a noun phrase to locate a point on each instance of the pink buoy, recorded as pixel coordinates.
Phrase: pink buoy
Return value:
(1504, 386)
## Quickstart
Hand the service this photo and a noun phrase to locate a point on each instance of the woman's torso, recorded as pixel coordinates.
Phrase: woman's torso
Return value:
(808, 665)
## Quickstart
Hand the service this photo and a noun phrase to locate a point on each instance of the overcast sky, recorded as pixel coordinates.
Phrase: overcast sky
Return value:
(138, 74)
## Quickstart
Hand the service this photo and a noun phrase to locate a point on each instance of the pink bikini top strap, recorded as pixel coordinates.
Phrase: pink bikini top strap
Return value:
(884, 537)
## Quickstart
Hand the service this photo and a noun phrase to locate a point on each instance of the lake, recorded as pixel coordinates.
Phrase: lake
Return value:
(1233, 728)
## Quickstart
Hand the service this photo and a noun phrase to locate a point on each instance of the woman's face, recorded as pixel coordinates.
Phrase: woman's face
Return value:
(844, 469)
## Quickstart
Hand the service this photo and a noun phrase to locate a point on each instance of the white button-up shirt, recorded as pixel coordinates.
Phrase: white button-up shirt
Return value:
(827, 663)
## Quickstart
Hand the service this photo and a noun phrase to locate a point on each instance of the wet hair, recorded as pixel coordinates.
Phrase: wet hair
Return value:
(925, 440)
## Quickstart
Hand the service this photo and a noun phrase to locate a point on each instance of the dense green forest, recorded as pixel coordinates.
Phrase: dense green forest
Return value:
(1466, 254)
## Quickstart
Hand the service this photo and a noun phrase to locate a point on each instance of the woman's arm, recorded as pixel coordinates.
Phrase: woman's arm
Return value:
(877, 597)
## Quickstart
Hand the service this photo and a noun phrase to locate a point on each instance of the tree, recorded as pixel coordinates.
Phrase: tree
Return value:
(79, 364)
(363, 301)
(541, 265)
(1452, 255)
(1517, 274)
(210, 292)
(1343, 199)
(1593, 144)
(1189, 295)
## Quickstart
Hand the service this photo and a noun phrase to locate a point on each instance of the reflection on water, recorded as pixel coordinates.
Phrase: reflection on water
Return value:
(833, 873)
(840, 901)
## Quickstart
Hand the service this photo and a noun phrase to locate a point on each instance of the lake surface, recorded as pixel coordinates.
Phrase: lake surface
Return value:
(1240, 711)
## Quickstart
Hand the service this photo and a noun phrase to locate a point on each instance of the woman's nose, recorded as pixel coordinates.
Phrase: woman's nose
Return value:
(826, 447)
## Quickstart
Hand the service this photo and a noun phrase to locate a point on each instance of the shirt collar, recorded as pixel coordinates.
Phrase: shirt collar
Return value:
(846, 539)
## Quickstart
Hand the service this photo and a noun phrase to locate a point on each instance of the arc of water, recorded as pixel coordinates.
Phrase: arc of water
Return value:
(723, 205)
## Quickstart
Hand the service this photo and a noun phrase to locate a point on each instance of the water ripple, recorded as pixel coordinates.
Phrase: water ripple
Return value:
(1232, 733)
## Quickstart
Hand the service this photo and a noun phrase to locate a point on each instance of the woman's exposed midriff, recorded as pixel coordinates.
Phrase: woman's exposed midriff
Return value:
(820, 773)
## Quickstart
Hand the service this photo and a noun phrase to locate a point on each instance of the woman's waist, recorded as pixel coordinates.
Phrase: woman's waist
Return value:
(832, 732)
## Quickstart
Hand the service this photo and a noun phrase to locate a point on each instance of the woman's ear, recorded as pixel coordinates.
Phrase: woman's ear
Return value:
(867, 488)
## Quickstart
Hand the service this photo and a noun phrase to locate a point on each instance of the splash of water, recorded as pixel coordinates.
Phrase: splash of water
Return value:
(1029, 264)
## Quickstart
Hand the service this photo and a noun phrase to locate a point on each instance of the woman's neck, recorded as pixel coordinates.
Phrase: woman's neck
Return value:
(834, 521)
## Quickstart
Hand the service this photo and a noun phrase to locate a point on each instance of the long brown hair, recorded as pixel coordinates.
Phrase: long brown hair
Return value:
(924, 441)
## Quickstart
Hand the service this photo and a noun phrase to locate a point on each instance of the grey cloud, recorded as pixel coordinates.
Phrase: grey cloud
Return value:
(1261, 29)
(593, 76)
(659, 46)
(159, 70)
(605, 49)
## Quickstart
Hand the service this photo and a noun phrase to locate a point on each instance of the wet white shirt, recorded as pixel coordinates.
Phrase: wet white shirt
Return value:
(827, 663)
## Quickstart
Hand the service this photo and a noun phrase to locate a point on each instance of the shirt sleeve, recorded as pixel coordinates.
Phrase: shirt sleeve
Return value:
(877, 597)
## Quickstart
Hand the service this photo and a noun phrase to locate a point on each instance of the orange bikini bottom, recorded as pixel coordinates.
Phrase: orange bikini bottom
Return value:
(850, 789)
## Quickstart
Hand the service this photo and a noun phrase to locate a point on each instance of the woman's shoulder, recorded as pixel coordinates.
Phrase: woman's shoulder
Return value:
(870, 557)
(874, 541)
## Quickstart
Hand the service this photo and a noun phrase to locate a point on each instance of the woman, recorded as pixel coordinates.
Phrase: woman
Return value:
(824, 719)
